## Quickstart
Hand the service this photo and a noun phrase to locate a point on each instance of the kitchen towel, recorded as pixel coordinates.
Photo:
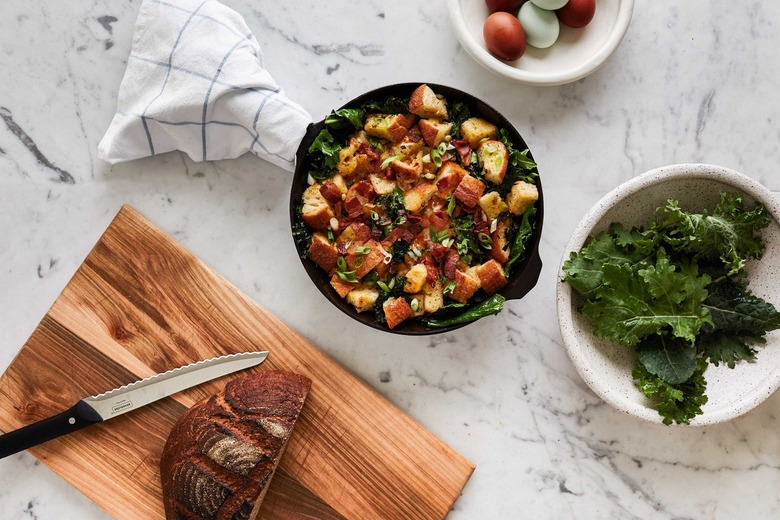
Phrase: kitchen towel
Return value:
(195, 82)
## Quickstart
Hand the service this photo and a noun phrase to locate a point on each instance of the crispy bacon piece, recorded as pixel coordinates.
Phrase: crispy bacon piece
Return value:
(439, 220)
(358, 195)
(330, 191)
(450, 264)
(439, 253)
(463, 149)
(432, 271)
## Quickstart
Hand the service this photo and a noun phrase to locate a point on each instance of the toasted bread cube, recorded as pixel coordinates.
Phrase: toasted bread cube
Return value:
(370, 260)
(381, 185)
(352, 163)
(411, 144)
(465, 287)
(434, 131)
(493, 156)
(491, 276)
(521, 196)
(469, 190)
(396, 311)
(424, 103)
(316, 211)
(408, 169)
(492, 204)
(449, 176)
(415, 278)
(417, 197)
(500, 243)
(475, 130)
(434, 297)
(342, 288)
(322, 252)
(363, 298)
(392, 127)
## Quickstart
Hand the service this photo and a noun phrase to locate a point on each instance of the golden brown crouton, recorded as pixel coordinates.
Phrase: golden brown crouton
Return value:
(316, 211)
(492, 204)
(500, 243)
(322, 252)
(396, 311)
(449, 176)
(415, 198)
(342, 288)
(411, 144)
(415, 278)
(434, 131)
(465, 287)
(491, 276)
(494, 159)
(434, 297)
(370, 260)
(469, 191)
(381, 185)
(521, 196)
(388, 126)
(408, 168)
(363, 297)
(424, 103)
(475, 130)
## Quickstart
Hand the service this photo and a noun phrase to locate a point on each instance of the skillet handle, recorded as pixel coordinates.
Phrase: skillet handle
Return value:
(529, 277)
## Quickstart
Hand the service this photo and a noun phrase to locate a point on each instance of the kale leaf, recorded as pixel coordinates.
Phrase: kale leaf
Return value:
(491, 305)
(728, 235)
(522, 235)
(323, 155)
(675, 403)
(391, 105)
(350, 118)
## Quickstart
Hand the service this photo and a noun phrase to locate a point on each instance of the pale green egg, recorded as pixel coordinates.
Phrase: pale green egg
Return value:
(540, 25)
(550, 5)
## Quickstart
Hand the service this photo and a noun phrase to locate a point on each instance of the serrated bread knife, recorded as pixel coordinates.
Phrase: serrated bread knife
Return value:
(121, 400)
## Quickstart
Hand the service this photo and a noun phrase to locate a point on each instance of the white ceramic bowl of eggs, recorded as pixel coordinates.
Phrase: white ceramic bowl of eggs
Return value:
(555, 53)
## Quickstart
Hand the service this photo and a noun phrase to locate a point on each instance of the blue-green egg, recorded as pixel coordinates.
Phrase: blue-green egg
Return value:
(540, 25)
(550, 5)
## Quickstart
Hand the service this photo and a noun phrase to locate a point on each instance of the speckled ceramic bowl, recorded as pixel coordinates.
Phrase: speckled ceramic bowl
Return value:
(606, 367)
(576, 54)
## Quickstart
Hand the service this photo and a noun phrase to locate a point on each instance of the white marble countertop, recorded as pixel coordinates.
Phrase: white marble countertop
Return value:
(693, 81)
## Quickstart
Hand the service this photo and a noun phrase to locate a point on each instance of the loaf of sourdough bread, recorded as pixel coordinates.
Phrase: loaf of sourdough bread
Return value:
(220, 456)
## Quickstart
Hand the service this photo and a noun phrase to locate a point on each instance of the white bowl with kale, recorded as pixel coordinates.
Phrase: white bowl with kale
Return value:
(668, 292)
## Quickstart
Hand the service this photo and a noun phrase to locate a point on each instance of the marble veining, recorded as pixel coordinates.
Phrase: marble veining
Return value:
(691, 82)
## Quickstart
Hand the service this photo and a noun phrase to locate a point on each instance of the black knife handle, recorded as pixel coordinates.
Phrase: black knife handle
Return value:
(69, 421)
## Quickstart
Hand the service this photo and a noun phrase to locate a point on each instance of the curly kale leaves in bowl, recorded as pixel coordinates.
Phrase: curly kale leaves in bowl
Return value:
(675, 290)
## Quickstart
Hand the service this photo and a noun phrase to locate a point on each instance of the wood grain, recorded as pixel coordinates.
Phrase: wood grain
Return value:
(141, 304)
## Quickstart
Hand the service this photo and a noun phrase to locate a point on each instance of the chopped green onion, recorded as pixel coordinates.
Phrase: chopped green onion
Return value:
(436, 157)
(362, 250)
(415, 304)
(449, 287)
(383, 286)
(447, 242)
(374, 216)
(359, 262)
(331, 238)
(485, 240)
(450, 204)
(348, 276)
(390, 159)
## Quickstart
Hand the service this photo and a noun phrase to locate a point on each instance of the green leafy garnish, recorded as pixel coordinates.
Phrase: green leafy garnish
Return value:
(345, 118)
(522, 235)
(343, 272)
(391, 105)
(458, 112)
(323, 156)
(675, 291)
(492, 305)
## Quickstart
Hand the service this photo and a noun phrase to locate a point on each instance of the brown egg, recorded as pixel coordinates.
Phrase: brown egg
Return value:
(503, 5)
(504, 36)
(577, 13)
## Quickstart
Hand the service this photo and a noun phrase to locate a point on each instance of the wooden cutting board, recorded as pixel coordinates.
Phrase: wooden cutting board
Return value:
(141, 304)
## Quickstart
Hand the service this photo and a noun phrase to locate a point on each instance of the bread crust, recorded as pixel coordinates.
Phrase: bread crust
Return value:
(221, 454)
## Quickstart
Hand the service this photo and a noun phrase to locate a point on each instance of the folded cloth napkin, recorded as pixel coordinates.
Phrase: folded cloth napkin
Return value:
(195, 82)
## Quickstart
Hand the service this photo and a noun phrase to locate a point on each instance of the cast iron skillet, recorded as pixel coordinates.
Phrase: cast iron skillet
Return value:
(525, 274)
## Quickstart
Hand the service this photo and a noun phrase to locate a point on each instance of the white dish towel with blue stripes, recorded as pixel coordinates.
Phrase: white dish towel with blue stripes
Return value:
(195, 82)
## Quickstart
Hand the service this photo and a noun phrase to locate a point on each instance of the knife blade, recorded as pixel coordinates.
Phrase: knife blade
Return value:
(113, 403)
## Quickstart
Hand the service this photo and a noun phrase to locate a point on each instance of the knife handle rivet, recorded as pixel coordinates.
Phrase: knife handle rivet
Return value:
(72, 420)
